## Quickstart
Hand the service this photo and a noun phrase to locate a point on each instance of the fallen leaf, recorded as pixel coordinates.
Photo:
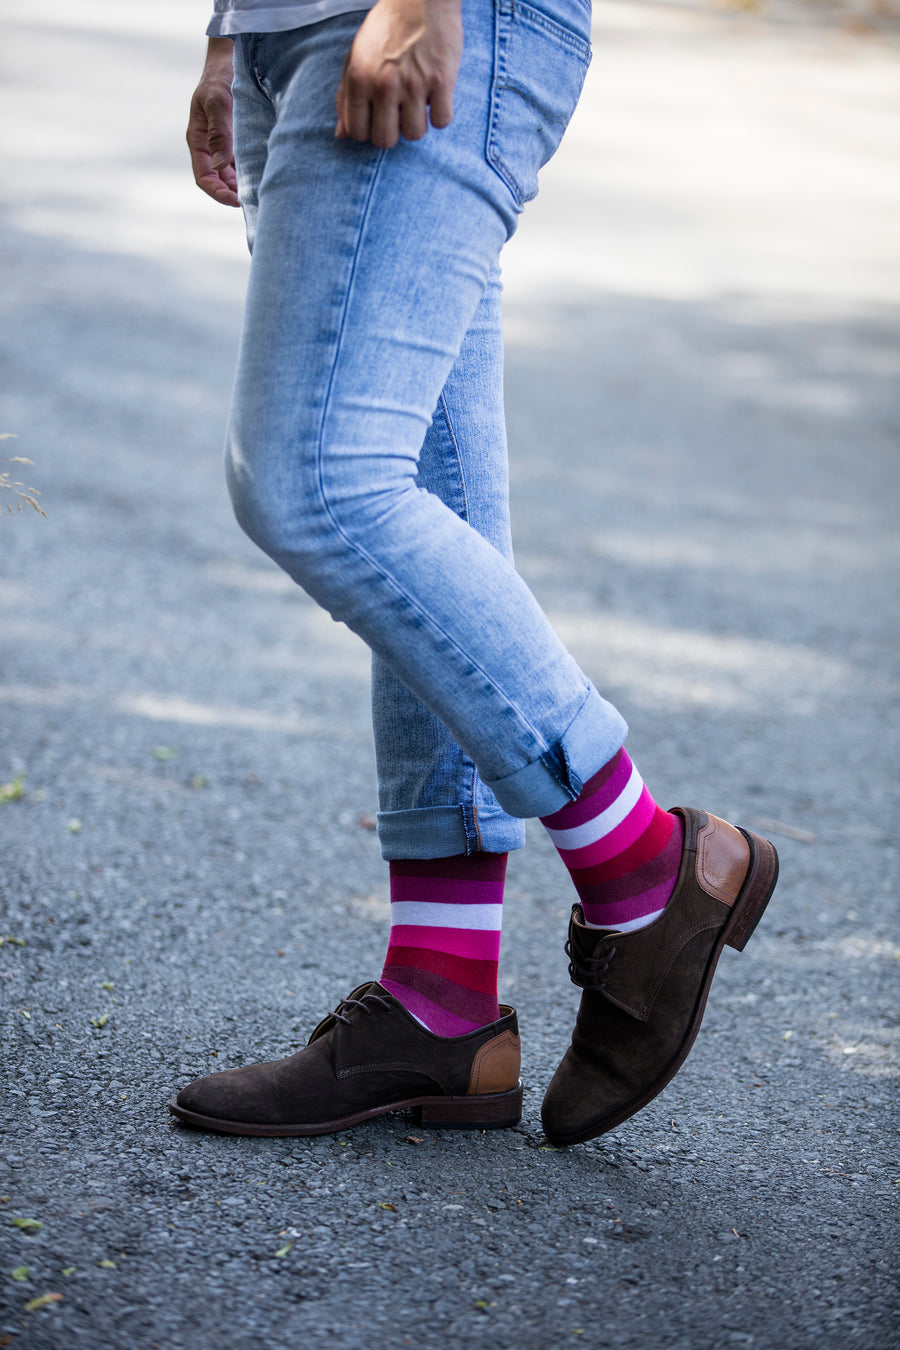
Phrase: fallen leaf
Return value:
(26, 1014)
(14, 791)
(199, 780)
(100, 1022)
(68, 1270)
(414, 1139)
(164, 752)
(74, 825)
(386, 1204)
(20, 1273)
(283, 1251)
(42, 1301)
(108, 986)
(29, 1225)
(107, 1264)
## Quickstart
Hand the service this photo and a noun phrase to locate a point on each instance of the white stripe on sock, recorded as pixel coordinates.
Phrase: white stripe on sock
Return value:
(629, 926)
(486, 918)
(592, 830)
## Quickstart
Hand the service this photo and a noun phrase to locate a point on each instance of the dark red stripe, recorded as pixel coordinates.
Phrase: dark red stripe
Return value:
(474, 1007)
(472, 867)
(653, 873)
(465, 971)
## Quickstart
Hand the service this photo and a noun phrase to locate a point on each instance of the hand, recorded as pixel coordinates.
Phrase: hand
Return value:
(403, 64)
(209, 133)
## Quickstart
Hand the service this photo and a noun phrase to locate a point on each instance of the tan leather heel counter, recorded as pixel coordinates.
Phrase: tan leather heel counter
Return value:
(723, 857)
(496, 1066)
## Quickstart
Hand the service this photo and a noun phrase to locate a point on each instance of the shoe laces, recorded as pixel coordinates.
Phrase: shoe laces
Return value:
(588, 971)
(349, 1003)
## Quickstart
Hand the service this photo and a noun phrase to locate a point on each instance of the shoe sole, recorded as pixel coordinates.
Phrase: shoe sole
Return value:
(746, 912)
(482, 1111)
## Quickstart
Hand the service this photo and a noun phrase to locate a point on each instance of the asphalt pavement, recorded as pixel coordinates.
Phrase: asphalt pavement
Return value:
(702, 314)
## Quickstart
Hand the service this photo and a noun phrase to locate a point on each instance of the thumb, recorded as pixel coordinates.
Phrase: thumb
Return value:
(221, 149)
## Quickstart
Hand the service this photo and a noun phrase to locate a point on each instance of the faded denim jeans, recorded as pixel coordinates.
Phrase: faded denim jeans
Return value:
(366, 447)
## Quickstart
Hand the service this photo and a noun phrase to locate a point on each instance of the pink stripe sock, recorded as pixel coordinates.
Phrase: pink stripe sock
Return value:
(444, 946)
(622, 850)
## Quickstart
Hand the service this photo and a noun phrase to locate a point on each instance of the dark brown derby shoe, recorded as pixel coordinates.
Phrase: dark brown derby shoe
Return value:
(366, 1058)
(645, 992)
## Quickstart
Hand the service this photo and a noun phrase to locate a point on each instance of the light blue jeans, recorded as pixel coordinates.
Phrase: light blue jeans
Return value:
(366, 447)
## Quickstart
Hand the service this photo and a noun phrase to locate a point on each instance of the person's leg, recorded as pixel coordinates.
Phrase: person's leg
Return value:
(340, 371)
(432, 800)
(442, 830)
(368, 269)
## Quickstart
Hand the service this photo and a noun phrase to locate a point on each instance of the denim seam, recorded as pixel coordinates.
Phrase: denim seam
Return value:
(254, 41)
(390, 580)
(256, 89)
(442, 403)
(470, 809)
(506, 14)
(567, 36)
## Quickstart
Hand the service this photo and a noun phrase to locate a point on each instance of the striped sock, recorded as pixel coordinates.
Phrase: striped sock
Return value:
(622, 850)
(444, 947)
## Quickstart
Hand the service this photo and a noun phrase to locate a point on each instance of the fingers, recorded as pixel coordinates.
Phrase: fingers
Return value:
(214, 173)
(221, 185)
(209, 131)
(403, 62)
(383, 112)
(441, 106)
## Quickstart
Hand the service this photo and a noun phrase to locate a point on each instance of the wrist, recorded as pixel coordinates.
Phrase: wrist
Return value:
(219, 52)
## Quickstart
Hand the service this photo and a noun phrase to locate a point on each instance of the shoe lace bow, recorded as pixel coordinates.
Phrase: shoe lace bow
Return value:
(346, 1004)
(588, 971)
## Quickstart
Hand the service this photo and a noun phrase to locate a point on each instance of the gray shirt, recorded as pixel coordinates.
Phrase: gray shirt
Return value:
(274, 16)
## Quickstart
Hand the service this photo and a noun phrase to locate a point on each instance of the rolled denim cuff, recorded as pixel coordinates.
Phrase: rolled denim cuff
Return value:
(447, 831)
(596, 733)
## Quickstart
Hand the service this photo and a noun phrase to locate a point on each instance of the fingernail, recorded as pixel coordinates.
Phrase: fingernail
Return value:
(217, 161)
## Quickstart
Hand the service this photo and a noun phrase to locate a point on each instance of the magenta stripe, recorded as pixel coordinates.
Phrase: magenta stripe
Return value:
(471, 1004)
(445, 891)
(436, 1018)
(480, 945)
(631, 828)
(599, 798)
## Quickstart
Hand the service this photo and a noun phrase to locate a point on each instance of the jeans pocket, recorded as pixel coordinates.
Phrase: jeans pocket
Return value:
(539, 70)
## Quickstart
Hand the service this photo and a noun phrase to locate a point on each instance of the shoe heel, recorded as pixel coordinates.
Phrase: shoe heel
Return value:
(756, 891)
(480, 1111)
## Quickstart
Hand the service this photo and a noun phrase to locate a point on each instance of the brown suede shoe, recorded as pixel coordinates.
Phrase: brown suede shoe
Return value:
(366, 1058)
(645, 992)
